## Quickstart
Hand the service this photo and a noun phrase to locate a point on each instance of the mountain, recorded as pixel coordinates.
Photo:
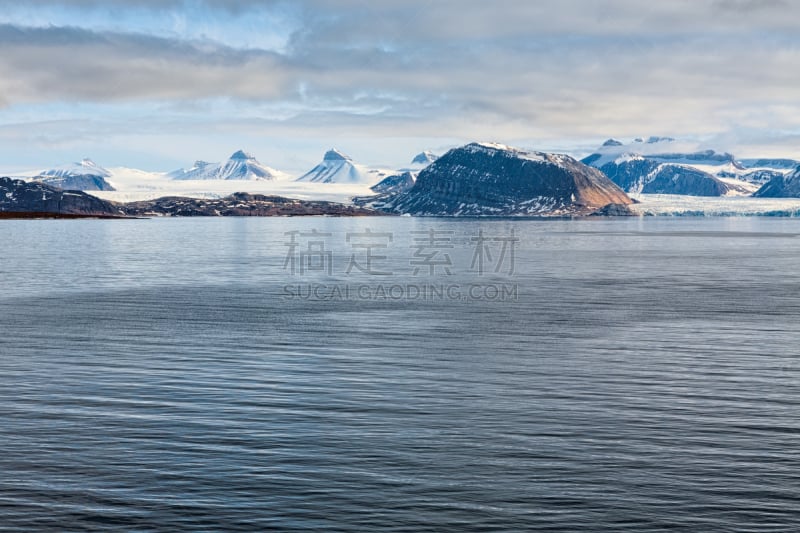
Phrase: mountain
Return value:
(763, 176)
(337, 167)
(77, 183)
(662, 149)
(424, 159)
(781, 186)
(638, 174)
(395, 184)
(240, 166)
(658, 165)
(86, 167)
(196, 168)
(18, 196)
(83, 176)
(483, 179)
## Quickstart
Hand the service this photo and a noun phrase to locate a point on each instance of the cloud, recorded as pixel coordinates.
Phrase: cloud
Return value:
(505, 70)
(71, 64)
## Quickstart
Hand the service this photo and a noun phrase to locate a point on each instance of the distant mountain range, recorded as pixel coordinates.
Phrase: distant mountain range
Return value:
(659, 166)
(478, 179)
(240, 166)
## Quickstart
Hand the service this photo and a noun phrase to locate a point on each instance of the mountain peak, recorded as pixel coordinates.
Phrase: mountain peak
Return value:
(241, 155)
(337, 167)
(84, 167)
(240, 166)
(424, 158)
(335, 155)
(612, 142)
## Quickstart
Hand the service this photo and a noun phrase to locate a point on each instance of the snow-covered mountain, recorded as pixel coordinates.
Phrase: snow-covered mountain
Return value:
(662, 165)
(86, 167)
(782, 186)
(240, 166)
(424, 158)
(337, 167)
(661, 149)
(743, 175)
(85, 175)
(486, 179)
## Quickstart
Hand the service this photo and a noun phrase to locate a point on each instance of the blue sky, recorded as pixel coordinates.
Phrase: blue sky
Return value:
(158, 84)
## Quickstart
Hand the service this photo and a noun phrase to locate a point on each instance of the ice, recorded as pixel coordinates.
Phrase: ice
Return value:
(676, 205)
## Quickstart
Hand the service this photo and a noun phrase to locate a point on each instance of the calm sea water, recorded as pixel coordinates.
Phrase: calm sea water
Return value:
(231, 374)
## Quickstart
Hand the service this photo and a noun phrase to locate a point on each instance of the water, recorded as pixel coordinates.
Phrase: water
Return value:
(164, 375)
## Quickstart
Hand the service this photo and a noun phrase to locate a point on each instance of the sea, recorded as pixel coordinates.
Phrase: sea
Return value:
(400, 374)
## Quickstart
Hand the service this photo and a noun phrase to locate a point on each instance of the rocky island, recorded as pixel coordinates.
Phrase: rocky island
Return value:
(486, 179)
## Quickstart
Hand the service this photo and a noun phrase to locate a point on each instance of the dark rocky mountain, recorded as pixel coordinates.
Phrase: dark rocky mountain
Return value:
(495, 180)
(18, 196)
(630, 174)
(395, 184)
(77, 182)
(781, 186)
(241, 205)
(685, 180)
(657, 165)
(642, 175)
(639, 174)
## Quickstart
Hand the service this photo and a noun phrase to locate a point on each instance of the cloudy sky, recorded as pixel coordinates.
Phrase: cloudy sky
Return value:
(157, 84)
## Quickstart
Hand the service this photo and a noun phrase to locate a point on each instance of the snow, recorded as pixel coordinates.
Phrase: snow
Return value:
(240, 166)
(653, 147)
(135, 185)
(627, 158)
(424, 159)
(85, 167)
(746, 188)
(522, 154)
(337, 167)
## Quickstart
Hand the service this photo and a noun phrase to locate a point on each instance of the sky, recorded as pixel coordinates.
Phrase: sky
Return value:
(158, 84)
